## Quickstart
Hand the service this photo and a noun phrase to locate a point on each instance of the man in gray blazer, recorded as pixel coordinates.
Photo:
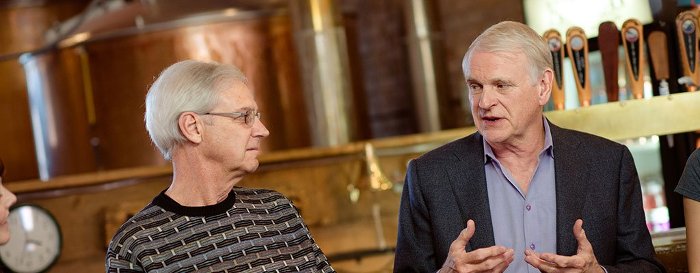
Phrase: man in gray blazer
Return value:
(521, 194)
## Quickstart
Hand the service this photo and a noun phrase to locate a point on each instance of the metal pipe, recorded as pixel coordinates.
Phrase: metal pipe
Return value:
(321, 46)
(421, 48)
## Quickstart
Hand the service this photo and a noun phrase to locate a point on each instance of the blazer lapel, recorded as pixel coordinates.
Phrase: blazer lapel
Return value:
(468, 181)
(570, 181)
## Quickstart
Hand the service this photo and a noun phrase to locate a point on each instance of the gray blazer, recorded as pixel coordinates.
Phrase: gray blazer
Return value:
(595, 181)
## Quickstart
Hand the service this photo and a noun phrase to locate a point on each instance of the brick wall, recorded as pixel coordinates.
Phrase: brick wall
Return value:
(377, 44)
(461, 22)
(381, 72)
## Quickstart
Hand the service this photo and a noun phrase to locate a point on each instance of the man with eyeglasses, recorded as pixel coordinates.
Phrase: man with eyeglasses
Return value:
(203, 117)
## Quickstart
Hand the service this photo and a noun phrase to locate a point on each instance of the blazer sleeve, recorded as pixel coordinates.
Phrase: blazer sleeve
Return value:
(414, 245)
(635, 252)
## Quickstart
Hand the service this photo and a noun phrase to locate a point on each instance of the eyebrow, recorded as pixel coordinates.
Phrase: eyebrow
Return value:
(491, 81)
(498, 80)
(243, 109)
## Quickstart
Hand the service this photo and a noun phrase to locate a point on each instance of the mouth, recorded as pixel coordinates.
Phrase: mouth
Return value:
(490, 118)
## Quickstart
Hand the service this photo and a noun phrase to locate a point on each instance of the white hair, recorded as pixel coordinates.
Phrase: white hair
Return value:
(512, 37)
(184, 86)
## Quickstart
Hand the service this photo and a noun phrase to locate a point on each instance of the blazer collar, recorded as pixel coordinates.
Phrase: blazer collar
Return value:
(571, 177)
(468, 181)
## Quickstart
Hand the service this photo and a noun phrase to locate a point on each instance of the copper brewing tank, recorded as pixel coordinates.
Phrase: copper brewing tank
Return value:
(92, 88)
(22, 27)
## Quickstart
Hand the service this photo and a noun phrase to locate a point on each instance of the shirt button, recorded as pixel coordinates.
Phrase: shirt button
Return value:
(532, 246)
(528, 207)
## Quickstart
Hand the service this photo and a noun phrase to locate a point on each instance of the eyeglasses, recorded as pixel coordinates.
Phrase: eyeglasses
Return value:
(249, 116)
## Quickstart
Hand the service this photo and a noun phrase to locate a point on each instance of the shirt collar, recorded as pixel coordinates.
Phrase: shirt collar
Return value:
(547, 149)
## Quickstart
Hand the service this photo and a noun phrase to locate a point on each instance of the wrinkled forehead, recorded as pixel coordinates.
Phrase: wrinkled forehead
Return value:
(508, 56)
(516, 62)
(237, 94)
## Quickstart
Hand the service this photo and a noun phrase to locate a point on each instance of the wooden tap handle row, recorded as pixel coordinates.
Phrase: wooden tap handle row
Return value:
(632, 36)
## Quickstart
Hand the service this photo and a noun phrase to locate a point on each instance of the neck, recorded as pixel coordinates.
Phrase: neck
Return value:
(196, 183)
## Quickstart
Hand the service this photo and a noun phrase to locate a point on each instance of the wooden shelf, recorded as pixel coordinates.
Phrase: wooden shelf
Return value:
(661, 115)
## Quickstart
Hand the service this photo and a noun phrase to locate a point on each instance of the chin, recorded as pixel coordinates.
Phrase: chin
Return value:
(251, 166)
(494, 137)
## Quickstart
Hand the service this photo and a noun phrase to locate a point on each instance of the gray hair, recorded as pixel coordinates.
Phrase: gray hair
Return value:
(184, 86)
(509, 36)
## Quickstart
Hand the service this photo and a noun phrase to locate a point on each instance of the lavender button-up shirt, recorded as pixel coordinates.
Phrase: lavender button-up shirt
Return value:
(523, 221)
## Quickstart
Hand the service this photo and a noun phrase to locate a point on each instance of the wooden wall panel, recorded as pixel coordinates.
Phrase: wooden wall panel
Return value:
(317, 187)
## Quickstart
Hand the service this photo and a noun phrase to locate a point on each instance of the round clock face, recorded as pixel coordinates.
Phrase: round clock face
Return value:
(35, 240)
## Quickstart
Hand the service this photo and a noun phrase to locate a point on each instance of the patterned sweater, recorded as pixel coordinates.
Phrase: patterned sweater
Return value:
(251, 231)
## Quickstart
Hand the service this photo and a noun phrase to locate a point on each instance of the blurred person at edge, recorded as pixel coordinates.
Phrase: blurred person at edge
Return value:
(7, 199)
(204, 118)
(517, 195)
(689, 187)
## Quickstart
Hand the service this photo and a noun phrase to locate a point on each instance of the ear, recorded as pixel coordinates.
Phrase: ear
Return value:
(545, 87)
(191, 126)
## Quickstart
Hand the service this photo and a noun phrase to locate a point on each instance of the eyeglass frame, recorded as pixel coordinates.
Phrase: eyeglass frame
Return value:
(253, 114)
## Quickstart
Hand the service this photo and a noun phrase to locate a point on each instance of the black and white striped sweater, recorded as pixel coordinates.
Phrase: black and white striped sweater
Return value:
(252, 230)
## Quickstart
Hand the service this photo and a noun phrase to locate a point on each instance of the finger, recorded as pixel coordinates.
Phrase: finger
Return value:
(578, 228)
(580, 235)
(503, 265)
(498, 263)
(462, 240)
(486, 265)
(483, 254)
(534, 259)
(563, 261)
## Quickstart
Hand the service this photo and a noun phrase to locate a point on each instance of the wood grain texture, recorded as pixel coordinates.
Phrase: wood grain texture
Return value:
(608, 44)
(658, 50)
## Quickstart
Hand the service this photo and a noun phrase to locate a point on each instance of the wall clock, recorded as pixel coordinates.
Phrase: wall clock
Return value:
(35, 240)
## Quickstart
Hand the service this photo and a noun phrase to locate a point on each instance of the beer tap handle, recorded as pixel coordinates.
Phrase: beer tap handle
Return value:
(635, 61)
(577, 48)
(556, 47)
(608, 43)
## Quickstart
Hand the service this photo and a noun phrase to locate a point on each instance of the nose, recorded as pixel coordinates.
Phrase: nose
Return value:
(487, 99)
(259, 129)
(6, 196)
(12, 198)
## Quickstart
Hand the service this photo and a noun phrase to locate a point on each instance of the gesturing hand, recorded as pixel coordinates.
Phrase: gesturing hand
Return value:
(583, 261)
(491, 259)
